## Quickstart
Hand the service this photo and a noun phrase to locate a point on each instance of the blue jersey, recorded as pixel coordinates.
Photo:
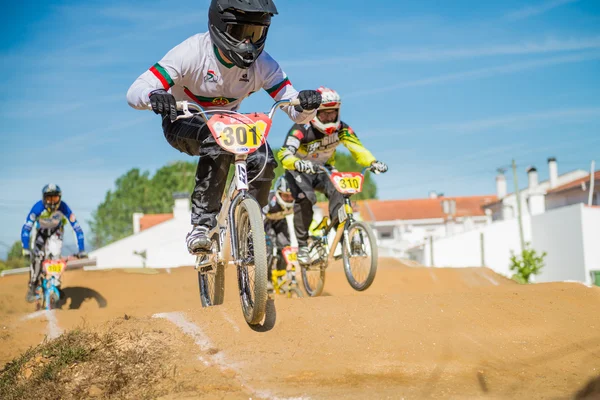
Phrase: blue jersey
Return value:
(44, 219)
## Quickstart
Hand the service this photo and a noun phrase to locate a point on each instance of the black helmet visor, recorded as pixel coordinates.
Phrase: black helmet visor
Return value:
(242, 32)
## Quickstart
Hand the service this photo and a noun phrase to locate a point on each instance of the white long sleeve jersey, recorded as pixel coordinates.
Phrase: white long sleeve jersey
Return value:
(195, 71)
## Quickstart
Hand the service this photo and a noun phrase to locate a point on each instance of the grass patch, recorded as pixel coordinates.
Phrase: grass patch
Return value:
(119, 363)
(35, 372)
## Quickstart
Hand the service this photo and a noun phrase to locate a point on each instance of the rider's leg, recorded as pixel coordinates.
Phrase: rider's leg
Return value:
(282, 240)
(301, 186)
(54, 244)
(336, 200)
(211, 176)
(259, 189)
(35, 266)
(192, 136)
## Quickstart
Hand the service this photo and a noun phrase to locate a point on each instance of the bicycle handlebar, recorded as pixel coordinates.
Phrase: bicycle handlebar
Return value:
(370, 168)
(186, 106)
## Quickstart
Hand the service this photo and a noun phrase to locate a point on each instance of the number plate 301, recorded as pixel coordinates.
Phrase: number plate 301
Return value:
(240, 133)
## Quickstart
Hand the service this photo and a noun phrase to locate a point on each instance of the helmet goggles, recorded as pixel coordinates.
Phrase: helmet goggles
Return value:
(242, 32)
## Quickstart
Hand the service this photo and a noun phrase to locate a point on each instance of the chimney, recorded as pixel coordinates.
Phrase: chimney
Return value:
(553, 171)
(136, 222)
(535, 198)
(433, 194)
(532, 176)
(181, 208)
(501, 184)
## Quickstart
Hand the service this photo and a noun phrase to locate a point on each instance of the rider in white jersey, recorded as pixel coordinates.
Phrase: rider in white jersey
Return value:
(217, 70)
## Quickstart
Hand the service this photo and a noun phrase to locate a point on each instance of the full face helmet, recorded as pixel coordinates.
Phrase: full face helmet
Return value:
(239, 28)
(328, 115)
(283, 193)
(51, 196)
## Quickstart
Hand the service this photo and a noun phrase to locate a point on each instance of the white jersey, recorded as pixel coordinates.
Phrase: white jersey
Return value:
(195, 71)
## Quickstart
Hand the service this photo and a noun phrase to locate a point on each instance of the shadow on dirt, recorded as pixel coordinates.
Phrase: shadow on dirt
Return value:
(590, 391)
(270, 318)
(78, 295)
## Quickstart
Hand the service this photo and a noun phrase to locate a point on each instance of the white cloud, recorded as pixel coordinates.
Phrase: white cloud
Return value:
(532, 11)
(480, 73)
(550, 45)
(519, 119)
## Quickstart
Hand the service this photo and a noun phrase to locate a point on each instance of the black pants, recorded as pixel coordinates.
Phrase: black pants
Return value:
(280, 236)
(303, 188)
(192, 136)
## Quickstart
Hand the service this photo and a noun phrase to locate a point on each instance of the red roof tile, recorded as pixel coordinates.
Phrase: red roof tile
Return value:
(149, 220)
(576, 183)
(391, 210)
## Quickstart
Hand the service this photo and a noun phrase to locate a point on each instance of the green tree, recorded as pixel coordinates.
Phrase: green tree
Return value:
(527, 264)
(16, 251)
(14, 258)
(135, 192)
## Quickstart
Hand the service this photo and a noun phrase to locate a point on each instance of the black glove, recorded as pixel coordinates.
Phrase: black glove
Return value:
(378, 166)
(305, 166)
(309, 100)
(164, 103)
(81, 254)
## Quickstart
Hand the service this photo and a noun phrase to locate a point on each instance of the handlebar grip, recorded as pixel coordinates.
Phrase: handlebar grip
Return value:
(179, 105)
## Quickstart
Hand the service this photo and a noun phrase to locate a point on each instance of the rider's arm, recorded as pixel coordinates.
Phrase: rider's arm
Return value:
(287, 154)
(64, 208)
(162, 75)
(349, 139)
(33, 215)
(278, 86)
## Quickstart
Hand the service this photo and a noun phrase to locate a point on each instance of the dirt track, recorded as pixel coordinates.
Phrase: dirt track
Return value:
(416, 333)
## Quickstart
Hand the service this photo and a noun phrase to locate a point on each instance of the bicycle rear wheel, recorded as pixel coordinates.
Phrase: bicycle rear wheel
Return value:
(252, 271)
(360, 261)
(212, 286)
(313, 277)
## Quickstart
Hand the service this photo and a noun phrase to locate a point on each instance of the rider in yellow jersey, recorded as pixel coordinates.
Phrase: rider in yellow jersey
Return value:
(311, 145)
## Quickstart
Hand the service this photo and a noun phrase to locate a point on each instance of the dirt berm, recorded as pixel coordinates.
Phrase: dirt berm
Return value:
(416, 333)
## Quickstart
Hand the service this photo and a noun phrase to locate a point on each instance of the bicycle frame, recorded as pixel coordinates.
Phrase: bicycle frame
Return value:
(345, 218)
(227, 252)
(51, 273)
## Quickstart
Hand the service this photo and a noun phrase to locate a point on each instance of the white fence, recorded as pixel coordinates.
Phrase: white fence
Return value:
(570, 236)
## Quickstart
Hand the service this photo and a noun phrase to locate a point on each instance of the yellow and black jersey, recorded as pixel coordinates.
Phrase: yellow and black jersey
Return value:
(305, 143)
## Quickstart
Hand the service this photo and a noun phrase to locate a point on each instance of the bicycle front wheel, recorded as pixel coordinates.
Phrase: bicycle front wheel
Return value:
(294, 292)
(360, 260)
(252, 252)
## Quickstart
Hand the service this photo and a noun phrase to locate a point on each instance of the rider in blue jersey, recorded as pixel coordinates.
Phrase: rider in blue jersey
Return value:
(48, 216)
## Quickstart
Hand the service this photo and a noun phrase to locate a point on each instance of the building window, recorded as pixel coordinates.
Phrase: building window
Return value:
(385, 232)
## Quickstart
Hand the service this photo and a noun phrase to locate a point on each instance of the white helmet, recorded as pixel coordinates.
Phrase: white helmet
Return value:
(331, 101)
(283, 193)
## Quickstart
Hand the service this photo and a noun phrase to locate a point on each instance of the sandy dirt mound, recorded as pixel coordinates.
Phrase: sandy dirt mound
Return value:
(416, 333)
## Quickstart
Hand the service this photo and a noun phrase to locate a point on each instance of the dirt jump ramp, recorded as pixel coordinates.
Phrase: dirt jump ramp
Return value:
(416, 333)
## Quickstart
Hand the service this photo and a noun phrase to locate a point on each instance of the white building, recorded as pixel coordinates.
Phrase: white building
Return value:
(158, 240)
(533, 197)
(402, 224)
(557, 218)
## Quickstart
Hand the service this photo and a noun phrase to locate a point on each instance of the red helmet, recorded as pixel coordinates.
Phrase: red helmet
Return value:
(331, 102)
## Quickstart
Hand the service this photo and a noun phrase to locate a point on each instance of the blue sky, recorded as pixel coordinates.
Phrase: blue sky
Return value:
(444, 94)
